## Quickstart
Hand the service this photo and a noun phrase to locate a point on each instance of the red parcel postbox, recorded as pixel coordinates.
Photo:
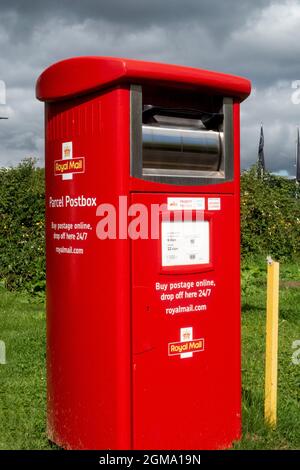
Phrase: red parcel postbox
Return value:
(143, 275)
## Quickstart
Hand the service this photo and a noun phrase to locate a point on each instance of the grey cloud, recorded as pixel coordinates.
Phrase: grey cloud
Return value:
(257, 39)
(280, 117)
(215, 14)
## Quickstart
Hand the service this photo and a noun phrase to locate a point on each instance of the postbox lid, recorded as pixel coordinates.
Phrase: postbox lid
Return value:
(81, 75)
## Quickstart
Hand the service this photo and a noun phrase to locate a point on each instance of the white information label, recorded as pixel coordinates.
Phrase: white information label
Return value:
(67, 154)
(186, 334)
(186, 203)
(185, 243)
(214, 204)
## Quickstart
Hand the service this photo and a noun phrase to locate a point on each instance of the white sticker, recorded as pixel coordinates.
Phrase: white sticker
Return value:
(186, 203)
(67, 154)
(214, 204)
(186, 334)
(185, 243)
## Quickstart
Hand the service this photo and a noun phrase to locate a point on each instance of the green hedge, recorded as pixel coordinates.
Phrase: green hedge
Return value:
(270, 221)
(270, 216)
(22, 239)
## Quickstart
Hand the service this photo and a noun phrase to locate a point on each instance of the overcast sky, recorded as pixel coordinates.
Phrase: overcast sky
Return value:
(257, 39)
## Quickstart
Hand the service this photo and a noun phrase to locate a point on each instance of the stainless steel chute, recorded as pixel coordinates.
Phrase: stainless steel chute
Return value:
(181, 148)
(189, 145)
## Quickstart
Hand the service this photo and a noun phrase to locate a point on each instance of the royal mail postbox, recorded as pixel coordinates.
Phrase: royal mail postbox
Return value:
(143, 272)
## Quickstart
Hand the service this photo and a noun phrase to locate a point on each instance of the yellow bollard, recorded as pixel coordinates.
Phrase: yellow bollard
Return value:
(272, 343)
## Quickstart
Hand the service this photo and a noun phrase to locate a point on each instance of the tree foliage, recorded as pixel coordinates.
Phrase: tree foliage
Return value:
(22, 239)
(270, 222)
(270, 216)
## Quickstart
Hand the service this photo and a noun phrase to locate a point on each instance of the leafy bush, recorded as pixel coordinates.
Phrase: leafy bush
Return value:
(270, 216)
(22, 260)
(270, 222)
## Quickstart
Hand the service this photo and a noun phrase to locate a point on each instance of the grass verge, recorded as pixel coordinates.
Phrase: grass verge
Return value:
(23, 381)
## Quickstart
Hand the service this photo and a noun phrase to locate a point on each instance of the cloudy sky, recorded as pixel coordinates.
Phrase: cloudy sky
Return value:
(257, 39)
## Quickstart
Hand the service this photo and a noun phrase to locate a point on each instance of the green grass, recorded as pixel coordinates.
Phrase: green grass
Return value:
(255, 434)
(22, 379)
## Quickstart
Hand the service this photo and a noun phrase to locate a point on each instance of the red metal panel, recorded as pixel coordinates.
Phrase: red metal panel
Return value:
(194, 402)
(88, 294)
(82, 75)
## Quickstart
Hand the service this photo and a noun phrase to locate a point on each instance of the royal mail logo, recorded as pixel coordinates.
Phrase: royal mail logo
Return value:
(68, 165)
(196, 345)
(187, 344)
(74, 165)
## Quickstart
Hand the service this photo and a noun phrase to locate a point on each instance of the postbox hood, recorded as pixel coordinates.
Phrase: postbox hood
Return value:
(81, 75)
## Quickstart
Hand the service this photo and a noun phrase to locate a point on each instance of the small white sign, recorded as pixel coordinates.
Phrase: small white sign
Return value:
(214, 204)
(186, 334)
(185, 243)
(67, 154)
(2, 353)
(186, 203)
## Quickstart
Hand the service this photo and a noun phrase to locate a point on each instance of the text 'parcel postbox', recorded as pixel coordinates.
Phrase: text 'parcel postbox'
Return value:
(143, 275)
